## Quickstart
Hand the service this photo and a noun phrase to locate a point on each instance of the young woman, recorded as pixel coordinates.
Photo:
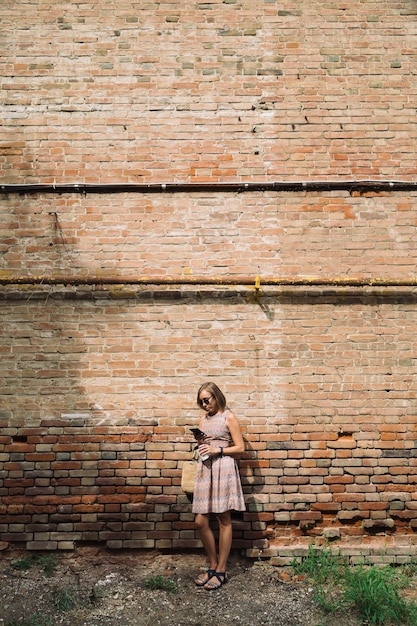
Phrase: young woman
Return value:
(218, 489)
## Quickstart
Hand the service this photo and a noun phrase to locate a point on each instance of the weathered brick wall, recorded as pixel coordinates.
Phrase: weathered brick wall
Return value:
(98, 383)
(219, 90)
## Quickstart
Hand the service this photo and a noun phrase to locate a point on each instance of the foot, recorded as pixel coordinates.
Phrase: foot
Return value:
(217, 580)
(202, 579)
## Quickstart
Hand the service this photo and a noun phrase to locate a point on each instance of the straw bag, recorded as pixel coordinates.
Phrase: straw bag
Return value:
(189, 473)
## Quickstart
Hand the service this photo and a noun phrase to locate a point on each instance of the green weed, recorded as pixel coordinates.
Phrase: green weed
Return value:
(327, 574)
(64, 600)
(96, 594)
(321, 566)
(327, 601)
(25, 563)
(161, 582)
(48, 563)
(374, 592)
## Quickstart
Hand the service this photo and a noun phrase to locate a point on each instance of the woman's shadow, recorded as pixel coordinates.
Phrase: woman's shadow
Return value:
(249, 527)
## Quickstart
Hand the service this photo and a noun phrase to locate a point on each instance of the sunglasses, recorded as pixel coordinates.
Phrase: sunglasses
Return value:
(206, 400)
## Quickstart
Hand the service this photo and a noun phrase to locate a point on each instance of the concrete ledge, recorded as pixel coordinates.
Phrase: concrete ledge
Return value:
(381, 550)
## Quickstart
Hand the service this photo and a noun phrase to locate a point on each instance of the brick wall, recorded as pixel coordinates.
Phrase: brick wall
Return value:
(98, 382)
(215, 90)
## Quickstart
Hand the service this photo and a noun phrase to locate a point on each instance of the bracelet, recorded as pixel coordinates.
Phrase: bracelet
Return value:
(221, 451)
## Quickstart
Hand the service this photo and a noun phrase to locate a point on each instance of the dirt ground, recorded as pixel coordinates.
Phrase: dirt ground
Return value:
(95, 587)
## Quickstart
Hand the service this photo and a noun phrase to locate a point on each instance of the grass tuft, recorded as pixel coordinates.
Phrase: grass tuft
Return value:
(321, 566)
(374, 592)
(161, 582)
(64, 600)
(48, 563)
(24, 564)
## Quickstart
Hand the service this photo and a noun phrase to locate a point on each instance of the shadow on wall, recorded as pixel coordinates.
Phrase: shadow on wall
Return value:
(107, 469)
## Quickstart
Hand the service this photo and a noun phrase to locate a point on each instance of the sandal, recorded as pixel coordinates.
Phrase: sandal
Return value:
(212, 585)
(203, 579)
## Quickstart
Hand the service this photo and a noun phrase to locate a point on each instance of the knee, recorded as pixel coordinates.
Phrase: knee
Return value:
(225, 519)
(200, 521)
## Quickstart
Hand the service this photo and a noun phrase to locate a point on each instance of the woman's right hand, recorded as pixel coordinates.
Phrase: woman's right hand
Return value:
(205, 448)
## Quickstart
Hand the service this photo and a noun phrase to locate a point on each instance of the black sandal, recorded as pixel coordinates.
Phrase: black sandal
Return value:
(221, 577)
(203, 579)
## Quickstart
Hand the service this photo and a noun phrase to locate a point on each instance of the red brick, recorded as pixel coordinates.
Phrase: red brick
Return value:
(102, 379)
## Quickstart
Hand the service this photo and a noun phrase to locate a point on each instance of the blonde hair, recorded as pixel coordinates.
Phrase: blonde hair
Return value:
(213, 389)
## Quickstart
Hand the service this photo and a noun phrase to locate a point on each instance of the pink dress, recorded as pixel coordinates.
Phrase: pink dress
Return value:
(217, 487)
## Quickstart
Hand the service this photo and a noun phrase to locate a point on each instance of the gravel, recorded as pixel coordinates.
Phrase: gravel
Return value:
(95, 587)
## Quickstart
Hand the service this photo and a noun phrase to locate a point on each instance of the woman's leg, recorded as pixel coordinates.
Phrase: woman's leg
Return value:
(207, 538)
(225, 544)
(225, 539)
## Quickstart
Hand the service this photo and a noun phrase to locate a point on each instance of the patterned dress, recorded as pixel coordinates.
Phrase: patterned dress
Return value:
(217, 487)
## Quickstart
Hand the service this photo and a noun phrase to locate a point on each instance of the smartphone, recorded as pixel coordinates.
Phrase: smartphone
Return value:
(197, 433)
